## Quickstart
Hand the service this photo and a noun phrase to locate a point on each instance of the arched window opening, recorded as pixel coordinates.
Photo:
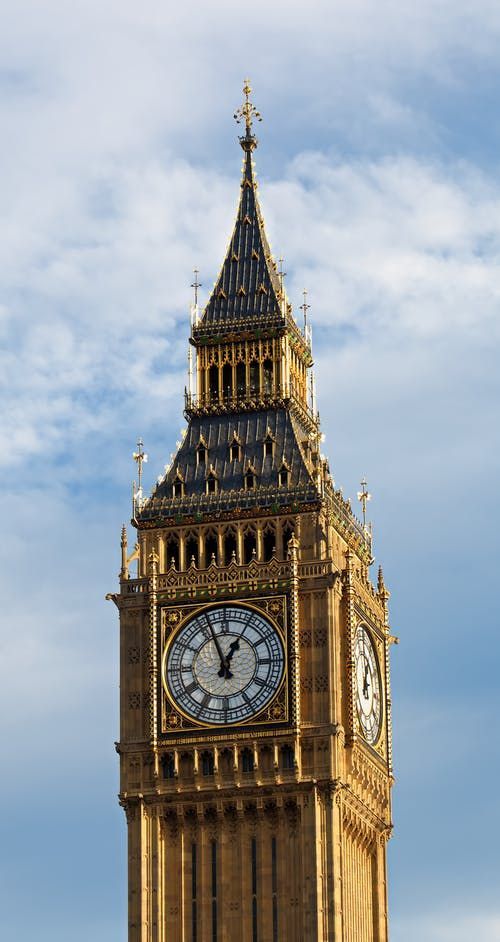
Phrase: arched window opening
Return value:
(288, 532)
(187, 766)
(241, 379)
(210, 548)
(266, 759)
(254, 377)
(247, 760)
(212, 484)
(250, 480)
(191, 550)
(268, 447)
(201, 454)
(227, 380)
(249, 546)
(235, 451)
(178, 487)
(269, 543)
(226, 762)
(268, 377)
(287, 758)
(230, 547)
(283, 476)
(167, 765)
(207, 763)
(213, 381)
(172, 552)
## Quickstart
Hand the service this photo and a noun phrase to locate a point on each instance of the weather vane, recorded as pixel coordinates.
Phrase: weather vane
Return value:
(364, 497)
(196, 284)
(140, 458)
(247, 110)
(305, 307)
(281, 273)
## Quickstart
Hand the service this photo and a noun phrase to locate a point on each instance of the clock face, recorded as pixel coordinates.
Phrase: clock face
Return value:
(224, 665)
(369, 704)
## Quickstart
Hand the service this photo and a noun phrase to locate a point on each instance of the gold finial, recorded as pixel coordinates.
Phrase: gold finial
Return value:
(364, 497)
(247, 110)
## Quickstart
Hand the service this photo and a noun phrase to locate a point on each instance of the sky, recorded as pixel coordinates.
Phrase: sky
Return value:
(380, 185)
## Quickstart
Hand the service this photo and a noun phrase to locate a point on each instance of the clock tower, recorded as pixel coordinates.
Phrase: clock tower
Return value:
(255, 736)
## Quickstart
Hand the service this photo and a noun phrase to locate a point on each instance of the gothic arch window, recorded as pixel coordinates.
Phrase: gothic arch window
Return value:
(267, 371)
(167, 765)
(213, 381)
(269, 542)
(201, 453)
(254, 377)
(283, 476)
(187, 766)
(211, 548)
(268, 445)
(247, 764)
(207, 763)
(249, 544)
(227, 380)
(266, 759)
(172, 551)
(230, 545)
(226, 762)
(212, 482)
(191, 549)
(288, 531)
(250, 479)
(235, 448)
(287, 758)
(241, 379)
(178, 486)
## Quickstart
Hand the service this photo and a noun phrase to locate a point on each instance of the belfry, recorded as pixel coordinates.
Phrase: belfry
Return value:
(255, 739)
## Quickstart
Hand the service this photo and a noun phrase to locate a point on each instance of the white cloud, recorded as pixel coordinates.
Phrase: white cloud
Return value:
(450, 926)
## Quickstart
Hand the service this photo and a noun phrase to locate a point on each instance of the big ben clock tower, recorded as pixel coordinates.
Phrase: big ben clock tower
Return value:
(255, 739)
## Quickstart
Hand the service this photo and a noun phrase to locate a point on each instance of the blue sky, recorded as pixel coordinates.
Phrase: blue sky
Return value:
(379, 180)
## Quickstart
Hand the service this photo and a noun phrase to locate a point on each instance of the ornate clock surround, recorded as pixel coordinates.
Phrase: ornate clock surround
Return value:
(276, 715)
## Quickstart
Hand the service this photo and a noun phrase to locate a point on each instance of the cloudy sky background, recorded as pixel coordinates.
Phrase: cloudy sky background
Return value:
(380, 184)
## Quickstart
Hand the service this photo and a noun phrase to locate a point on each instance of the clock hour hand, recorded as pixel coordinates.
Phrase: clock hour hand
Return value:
(224, 664)
(366, 683)
(224, 668)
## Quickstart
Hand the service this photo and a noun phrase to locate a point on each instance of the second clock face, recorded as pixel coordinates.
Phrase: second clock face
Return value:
(369, 705)
(224, 665)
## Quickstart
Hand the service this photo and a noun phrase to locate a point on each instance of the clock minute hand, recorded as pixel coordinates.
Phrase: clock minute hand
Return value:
(224, 671)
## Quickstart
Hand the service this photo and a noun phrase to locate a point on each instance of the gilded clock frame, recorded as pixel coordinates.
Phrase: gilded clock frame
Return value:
(173, 721)
(379, 748)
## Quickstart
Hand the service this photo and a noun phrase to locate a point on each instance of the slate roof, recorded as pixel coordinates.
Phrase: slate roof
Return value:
(217, 432)
(248, 287)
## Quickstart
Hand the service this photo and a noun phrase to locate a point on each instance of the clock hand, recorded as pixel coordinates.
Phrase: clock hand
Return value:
(224, 670)
(234, 646)
(366, 683)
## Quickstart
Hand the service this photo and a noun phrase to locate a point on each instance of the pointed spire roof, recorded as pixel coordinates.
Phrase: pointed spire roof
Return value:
(249, 289)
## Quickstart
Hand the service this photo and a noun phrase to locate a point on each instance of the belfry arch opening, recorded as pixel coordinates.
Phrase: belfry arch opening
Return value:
(249, 546)
(211, 549)
(230, 547)
(172, 552)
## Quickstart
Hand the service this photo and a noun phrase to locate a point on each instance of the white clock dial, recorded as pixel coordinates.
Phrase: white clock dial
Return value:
(368, 699)
(224, 665)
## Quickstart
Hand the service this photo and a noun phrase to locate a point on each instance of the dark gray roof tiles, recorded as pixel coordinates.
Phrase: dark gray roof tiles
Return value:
(248, 285)
(217, 432)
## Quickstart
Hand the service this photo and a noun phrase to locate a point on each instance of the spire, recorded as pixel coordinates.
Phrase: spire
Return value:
(248, 291)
